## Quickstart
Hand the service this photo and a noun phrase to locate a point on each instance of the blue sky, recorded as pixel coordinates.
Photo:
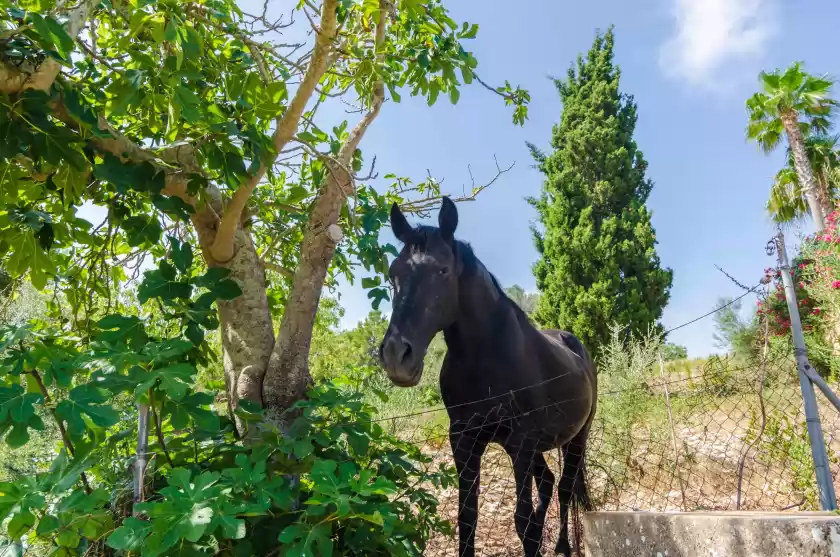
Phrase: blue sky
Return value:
(690, 64)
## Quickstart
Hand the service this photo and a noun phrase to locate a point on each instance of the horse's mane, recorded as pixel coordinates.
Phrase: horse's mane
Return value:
(469, 260)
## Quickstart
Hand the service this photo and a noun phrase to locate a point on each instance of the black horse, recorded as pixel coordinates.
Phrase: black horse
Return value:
(502, 380)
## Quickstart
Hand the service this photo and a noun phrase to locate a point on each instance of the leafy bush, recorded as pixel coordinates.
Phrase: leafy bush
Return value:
(815, 277)
(333, 483)
(672, 352)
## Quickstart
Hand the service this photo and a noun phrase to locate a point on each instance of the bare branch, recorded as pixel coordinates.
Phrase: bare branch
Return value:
(494, 89)
(371, 175)
(424, 205)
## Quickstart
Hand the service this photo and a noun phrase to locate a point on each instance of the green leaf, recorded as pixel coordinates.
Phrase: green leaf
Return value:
(182, 256)
(185, 513)
(68, 537)
(47, 525)
(232, 528)
(66, 471)
(189, 104)
(129, 177)
(434, 91)
(174, 206)
(126, 91)
(454, 94)
(321, 537)
(211, 277)
(359, 441)
(309, 137)
(156, 285)
(20, 524)
(192, 406)
(121, 328)
(81, 111)
(469, 31)
(194, 44)
(226, 289)
(170, 33)
(18, 436)
(16, 404)
(131, 535)
(63, 41)
(142, 230)
(175, 380)
(371, 282)
(86, 400)
(292, 533)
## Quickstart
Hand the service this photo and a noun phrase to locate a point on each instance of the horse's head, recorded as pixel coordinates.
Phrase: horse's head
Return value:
(425, 281)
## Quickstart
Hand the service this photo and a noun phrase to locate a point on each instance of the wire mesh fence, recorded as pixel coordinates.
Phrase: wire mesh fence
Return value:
(723, 436)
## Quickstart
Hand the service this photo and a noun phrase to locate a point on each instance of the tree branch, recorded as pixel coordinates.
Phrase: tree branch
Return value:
(222, 249)
(159, 431)
(423, 206)
(14, 81)
(493, 89)
(64, 437)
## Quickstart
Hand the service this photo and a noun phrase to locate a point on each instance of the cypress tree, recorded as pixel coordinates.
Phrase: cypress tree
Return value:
(598, 263)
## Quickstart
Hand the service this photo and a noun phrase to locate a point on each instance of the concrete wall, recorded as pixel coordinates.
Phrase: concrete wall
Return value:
(713, 534)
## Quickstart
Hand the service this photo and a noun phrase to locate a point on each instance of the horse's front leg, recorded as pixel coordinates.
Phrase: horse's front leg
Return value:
(529, 526)
(467, 451)
(545, 486)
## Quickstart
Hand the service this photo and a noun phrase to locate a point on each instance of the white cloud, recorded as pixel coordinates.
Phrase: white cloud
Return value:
(711, 35)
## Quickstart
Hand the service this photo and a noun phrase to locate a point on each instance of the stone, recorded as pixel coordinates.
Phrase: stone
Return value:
(711, 534)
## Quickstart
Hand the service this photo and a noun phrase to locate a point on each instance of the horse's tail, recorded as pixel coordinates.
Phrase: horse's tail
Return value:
(574, 477)
(580, 501)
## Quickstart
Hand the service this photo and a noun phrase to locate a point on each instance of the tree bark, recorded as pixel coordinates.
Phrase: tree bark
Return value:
(790, 121)
(287, 377)
(223, 246)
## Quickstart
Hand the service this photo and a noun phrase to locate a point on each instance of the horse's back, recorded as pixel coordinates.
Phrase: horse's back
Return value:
(567, 342)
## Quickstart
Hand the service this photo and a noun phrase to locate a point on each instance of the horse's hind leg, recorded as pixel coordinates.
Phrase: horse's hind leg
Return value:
(528, 527)
(545, 486)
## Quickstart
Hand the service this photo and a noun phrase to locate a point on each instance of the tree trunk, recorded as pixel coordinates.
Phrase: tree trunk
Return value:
(790, 120)
(824, 192)
(246, 326)
(287, 377)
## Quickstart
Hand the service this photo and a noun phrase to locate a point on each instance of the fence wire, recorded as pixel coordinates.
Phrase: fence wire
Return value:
(720, 437)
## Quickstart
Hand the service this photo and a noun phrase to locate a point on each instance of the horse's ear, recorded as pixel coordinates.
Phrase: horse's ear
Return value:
(399, 224)
(447, 218)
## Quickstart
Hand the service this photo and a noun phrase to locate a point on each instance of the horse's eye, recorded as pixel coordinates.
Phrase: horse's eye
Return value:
(444, 270)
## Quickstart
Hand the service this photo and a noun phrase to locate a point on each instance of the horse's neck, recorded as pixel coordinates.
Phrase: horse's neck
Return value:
(482, 312)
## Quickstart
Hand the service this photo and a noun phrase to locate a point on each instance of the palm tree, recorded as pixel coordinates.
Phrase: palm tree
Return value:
(787, 201)
(792, 103)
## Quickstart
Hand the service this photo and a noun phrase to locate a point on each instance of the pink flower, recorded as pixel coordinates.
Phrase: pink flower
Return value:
(836, 284)
(816, 311)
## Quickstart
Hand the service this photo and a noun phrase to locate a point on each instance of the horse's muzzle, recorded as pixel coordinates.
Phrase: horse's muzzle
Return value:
(402, 363)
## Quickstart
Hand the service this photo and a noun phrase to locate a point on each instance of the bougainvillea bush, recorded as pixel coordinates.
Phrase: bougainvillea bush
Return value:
(816, 279)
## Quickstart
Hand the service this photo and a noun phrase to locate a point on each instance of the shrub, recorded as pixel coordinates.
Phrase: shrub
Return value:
(815, 277)
(335, 483)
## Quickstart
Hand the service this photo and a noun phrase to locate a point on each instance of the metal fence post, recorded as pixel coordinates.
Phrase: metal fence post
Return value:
(825, 483)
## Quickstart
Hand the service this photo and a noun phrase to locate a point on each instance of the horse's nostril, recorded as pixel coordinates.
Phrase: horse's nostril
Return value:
(406, 351)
